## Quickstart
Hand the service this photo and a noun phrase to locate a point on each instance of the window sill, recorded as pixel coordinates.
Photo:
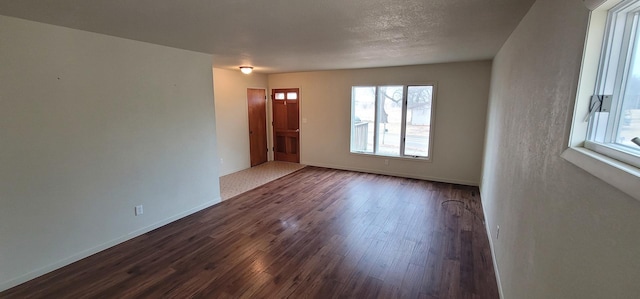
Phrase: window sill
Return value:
(622, 176)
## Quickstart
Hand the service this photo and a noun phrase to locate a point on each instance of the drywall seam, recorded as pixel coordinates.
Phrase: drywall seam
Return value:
(78, 256)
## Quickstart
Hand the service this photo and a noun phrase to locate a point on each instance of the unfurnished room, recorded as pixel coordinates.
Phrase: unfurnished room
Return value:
(320, 149)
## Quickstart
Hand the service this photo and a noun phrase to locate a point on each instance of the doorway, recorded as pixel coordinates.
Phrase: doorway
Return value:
(257, 102)
(286, 124)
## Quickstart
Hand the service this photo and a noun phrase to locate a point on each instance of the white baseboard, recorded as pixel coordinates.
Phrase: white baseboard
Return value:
(493, 252)
(78, 256)
(391, 173)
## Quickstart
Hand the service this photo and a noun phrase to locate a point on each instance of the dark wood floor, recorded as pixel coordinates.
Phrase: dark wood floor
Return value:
(317, 233)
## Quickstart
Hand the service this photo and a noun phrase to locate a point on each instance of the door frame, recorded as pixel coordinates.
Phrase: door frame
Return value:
(258, 147)
(273, 130)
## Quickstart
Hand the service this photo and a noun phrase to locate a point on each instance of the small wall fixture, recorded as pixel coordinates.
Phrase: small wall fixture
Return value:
(246, 69)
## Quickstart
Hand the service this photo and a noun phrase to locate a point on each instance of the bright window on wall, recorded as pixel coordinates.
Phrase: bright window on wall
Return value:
(392, 120)
(614, 117)
(606, 120)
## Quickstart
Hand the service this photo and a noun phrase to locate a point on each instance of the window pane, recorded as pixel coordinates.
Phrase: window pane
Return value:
(364, 112)
(280, 96)
(629, 125)
(418, 120)
(292, 95)
(389, 120)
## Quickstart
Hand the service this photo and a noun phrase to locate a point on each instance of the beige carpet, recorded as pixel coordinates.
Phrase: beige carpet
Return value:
(245, 180)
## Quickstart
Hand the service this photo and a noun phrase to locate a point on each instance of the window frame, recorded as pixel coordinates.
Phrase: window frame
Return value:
(403, 122)
(617, 55)
(605, 161)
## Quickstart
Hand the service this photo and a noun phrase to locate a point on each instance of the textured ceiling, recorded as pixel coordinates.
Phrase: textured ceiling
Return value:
(296, 35)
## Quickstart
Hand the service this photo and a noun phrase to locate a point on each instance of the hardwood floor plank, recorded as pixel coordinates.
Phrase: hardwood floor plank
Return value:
(390, 291)
(449, 285)
(316, 233)
(412, 281)
(399, 265)
(467, 281)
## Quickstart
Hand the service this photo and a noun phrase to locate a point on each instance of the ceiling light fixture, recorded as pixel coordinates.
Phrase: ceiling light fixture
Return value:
(246, 69)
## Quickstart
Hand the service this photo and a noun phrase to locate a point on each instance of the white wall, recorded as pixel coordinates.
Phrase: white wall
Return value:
(232, 117)
(563, 232)
(461, 101)
(90, 126)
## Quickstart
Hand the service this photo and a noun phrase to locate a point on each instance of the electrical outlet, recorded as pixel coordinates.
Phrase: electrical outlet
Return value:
(386, 161)
(498, 232)
(139, 210)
